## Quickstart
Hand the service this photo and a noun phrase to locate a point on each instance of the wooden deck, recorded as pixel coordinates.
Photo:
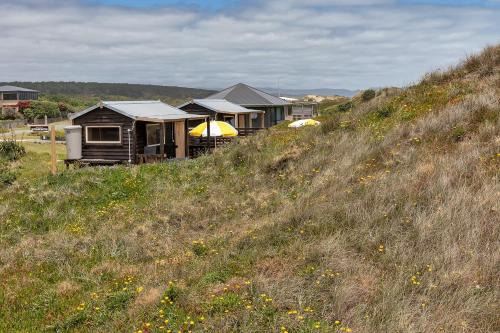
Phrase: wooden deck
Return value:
(92, 162)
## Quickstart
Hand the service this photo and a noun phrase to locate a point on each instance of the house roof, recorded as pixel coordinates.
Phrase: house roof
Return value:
(142, 110)
(221, 106)
(245, 95)
(15, 89)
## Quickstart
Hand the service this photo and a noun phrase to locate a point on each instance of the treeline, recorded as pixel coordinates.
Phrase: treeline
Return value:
(58, 99)
(95, 89)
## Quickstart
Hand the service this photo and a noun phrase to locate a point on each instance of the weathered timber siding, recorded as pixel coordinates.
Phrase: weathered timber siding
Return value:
(106, 117)
(198, 109)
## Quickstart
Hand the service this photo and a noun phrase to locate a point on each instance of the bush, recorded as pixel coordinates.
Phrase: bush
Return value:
(10, 150)
(40, 109)
(7, 177)
(345, 107)
(385, 111)
(8, 114)
(368, 95)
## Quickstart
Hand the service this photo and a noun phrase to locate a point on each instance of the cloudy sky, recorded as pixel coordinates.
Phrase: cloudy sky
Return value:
(213, 44)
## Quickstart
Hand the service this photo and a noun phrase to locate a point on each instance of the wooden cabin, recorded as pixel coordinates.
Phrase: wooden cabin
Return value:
(133, 131)
(246, 121)
(275, 108)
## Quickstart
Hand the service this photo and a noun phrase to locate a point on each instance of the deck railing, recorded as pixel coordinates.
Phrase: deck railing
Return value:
(246, 131)
(199, 146)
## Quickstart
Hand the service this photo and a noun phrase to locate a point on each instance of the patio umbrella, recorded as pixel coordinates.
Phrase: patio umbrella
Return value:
(217, 128)
(304, 122)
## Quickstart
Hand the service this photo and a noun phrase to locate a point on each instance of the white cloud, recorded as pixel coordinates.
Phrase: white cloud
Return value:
(338, 44)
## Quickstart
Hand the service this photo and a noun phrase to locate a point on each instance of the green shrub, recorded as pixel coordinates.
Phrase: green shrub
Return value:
(385, 111)
(10, 150)
(40, 109)
(345, 107)
(368, 95)
(7, 177)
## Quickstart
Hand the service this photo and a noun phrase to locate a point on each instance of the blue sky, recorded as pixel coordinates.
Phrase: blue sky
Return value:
(351, 44)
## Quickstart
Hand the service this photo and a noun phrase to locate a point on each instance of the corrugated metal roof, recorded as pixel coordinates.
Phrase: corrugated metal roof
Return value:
(221, 106)
(245, 95)
(15, 89)
(142, 110)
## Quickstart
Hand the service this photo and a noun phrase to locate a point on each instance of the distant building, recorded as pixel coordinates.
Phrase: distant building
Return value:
(220, 109)
(274, 107)
(10, 97)
(302, 110)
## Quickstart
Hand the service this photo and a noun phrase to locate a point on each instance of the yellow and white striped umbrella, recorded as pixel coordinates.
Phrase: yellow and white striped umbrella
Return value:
(304, 122)
(217, 128)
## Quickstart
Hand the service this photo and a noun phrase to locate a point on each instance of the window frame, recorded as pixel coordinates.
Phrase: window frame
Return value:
(230, 117)
(147, 136)
(87, 141)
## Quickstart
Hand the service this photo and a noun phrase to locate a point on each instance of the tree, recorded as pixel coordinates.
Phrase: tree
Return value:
(40, 109)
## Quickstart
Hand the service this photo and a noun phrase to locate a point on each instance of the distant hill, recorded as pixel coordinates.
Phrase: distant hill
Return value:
(304, 92)
(133, 91)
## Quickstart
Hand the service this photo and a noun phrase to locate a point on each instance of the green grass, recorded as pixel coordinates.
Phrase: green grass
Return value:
(373, 222)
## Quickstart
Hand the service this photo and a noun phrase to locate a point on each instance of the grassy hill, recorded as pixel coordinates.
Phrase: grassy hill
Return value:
(383, 219)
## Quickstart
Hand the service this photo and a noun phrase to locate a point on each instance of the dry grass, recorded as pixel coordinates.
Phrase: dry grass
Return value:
(374, 222)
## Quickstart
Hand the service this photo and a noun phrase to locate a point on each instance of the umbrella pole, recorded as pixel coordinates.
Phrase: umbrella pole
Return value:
(208, 134)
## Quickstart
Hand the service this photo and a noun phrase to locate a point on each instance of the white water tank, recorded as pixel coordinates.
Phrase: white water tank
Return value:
(73, 142)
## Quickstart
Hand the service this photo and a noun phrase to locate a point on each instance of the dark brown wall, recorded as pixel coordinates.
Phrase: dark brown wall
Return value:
(106, 116)
(198, 109)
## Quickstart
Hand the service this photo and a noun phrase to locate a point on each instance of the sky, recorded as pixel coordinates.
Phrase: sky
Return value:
(301, 44)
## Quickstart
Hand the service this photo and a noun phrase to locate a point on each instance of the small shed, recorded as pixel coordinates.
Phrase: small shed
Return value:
(134, 131)
(243, 119)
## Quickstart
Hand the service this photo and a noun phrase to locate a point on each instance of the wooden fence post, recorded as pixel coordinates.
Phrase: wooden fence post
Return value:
(53, 150)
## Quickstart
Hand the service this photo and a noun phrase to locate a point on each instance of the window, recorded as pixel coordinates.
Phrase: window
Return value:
(229, 120)
(103, 134)
(280, 114)
(152, 134)
(10, 97)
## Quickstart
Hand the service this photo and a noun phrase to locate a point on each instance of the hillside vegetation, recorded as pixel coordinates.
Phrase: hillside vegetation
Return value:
(134, 91)
(383, 219)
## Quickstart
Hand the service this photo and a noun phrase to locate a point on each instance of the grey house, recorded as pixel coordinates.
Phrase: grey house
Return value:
(275, 108)
(10, 97)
